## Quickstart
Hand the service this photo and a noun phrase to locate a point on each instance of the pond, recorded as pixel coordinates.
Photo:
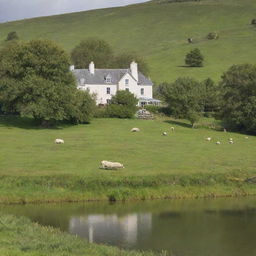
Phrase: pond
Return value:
(212, 227)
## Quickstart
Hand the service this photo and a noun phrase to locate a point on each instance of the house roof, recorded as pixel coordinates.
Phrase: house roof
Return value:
(99, 77)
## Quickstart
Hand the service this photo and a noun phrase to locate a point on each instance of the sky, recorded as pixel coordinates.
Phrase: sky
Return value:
(22, 9)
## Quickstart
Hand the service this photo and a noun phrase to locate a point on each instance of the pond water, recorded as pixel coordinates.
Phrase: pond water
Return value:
(216, 227)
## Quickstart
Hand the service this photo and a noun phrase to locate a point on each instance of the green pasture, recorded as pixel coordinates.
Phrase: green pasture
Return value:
(158, 32)
(156, 166)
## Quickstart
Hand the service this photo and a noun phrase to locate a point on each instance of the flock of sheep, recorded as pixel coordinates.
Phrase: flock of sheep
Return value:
(107, 165)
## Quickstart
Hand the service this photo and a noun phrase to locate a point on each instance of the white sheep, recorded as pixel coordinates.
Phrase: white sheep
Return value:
(164, 133)
(135, 129)
(230, 139)
(209, 139)
(111, 165)
(172, 129)
(59, 141)
(246, 137)
(231, 142)
(218, 143)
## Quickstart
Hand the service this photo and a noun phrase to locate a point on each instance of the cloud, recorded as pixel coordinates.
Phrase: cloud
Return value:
(21, 9)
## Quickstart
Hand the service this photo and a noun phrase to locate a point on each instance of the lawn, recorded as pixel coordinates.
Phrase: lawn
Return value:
(159, 32)
(33, 166)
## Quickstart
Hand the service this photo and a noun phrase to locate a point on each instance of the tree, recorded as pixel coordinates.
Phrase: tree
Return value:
(122, 105)
(12, 36)
(212, 95)
(35, 81)
(184, 98)
(124, 60)
(238, 108)
(194, 58)
(95, 50)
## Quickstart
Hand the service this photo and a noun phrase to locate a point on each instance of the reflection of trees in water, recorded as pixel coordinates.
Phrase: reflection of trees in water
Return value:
(112, 229)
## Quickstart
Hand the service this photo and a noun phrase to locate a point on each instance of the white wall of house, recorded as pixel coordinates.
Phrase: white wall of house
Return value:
(103, 94)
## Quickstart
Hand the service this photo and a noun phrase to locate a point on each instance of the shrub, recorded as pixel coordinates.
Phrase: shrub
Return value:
(212, 36)
(194, 58)
(253, 22)
(123, 105)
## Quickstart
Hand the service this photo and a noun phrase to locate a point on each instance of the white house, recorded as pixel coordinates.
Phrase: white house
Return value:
(104, 83)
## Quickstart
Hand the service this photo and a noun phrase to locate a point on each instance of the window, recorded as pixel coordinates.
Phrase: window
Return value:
(108, 90)
(126, 81)
(127, 89)
(108, 80)
(142, 91)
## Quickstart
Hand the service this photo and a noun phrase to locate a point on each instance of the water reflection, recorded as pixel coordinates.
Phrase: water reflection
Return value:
(216, 227)
(112, 229)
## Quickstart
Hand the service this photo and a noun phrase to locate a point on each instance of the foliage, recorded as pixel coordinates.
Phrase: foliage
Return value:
(184, 98)
(122, 105)
(35, 81)
(212, 36)
(253, 22)
(194, 58)
(96, 50)
(12, 36)
(212, 95)
(123, 61)
(238, 108)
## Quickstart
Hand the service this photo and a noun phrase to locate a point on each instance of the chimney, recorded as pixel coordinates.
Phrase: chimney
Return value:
(72, 68)
(134, 70)
(92, 68)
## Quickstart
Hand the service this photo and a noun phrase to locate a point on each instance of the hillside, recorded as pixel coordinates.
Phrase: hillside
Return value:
(159, 32)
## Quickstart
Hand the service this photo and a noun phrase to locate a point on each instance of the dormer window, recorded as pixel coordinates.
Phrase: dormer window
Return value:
(126, 82)
(108, 79)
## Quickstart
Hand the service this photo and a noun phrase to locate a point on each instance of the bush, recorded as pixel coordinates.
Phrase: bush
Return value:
(253, 22)
(123, 105)
(212, 36)
(194, 58)
(153, 109)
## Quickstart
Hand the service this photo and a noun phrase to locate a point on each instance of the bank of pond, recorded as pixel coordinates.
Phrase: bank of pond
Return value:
(194, 227)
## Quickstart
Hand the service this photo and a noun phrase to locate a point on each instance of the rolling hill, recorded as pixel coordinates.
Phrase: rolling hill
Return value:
(158, 30)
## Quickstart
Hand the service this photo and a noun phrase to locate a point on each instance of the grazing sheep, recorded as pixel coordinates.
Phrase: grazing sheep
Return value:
(246, 137)
(111, 165)
(218, 143)
(231, 142)
(164, 133)
(172, 129)
(59, 141)
(135, 130)
(230, 139)
(209, 139)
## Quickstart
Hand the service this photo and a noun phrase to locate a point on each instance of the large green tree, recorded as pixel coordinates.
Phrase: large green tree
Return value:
(238, 108)
(124, 60)
(194, 58)
(184, 97)
(96, 50)
(35, 81)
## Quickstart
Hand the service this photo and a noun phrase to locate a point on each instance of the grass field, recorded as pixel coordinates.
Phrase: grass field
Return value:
(183, 164)
(21, 237)
(159, 32)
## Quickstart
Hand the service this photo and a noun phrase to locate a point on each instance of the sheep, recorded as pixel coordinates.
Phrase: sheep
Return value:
(164, 133)
(111, 165)
(172, 129)
(209, 139)
(218, 143)
(135, 129)
(230, 139)
(224, 130)
(246, 137)
(231, 142)
(59, 141)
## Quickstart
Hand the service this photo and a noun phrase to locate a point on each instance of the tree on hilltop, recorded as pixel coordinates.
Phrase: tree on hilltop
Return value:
(194, 58)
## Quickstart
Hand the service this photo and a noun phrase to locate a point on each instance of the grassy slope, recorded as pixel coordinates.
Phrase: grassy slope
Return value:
(21, 237)
(34, 168)
(159, 32)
